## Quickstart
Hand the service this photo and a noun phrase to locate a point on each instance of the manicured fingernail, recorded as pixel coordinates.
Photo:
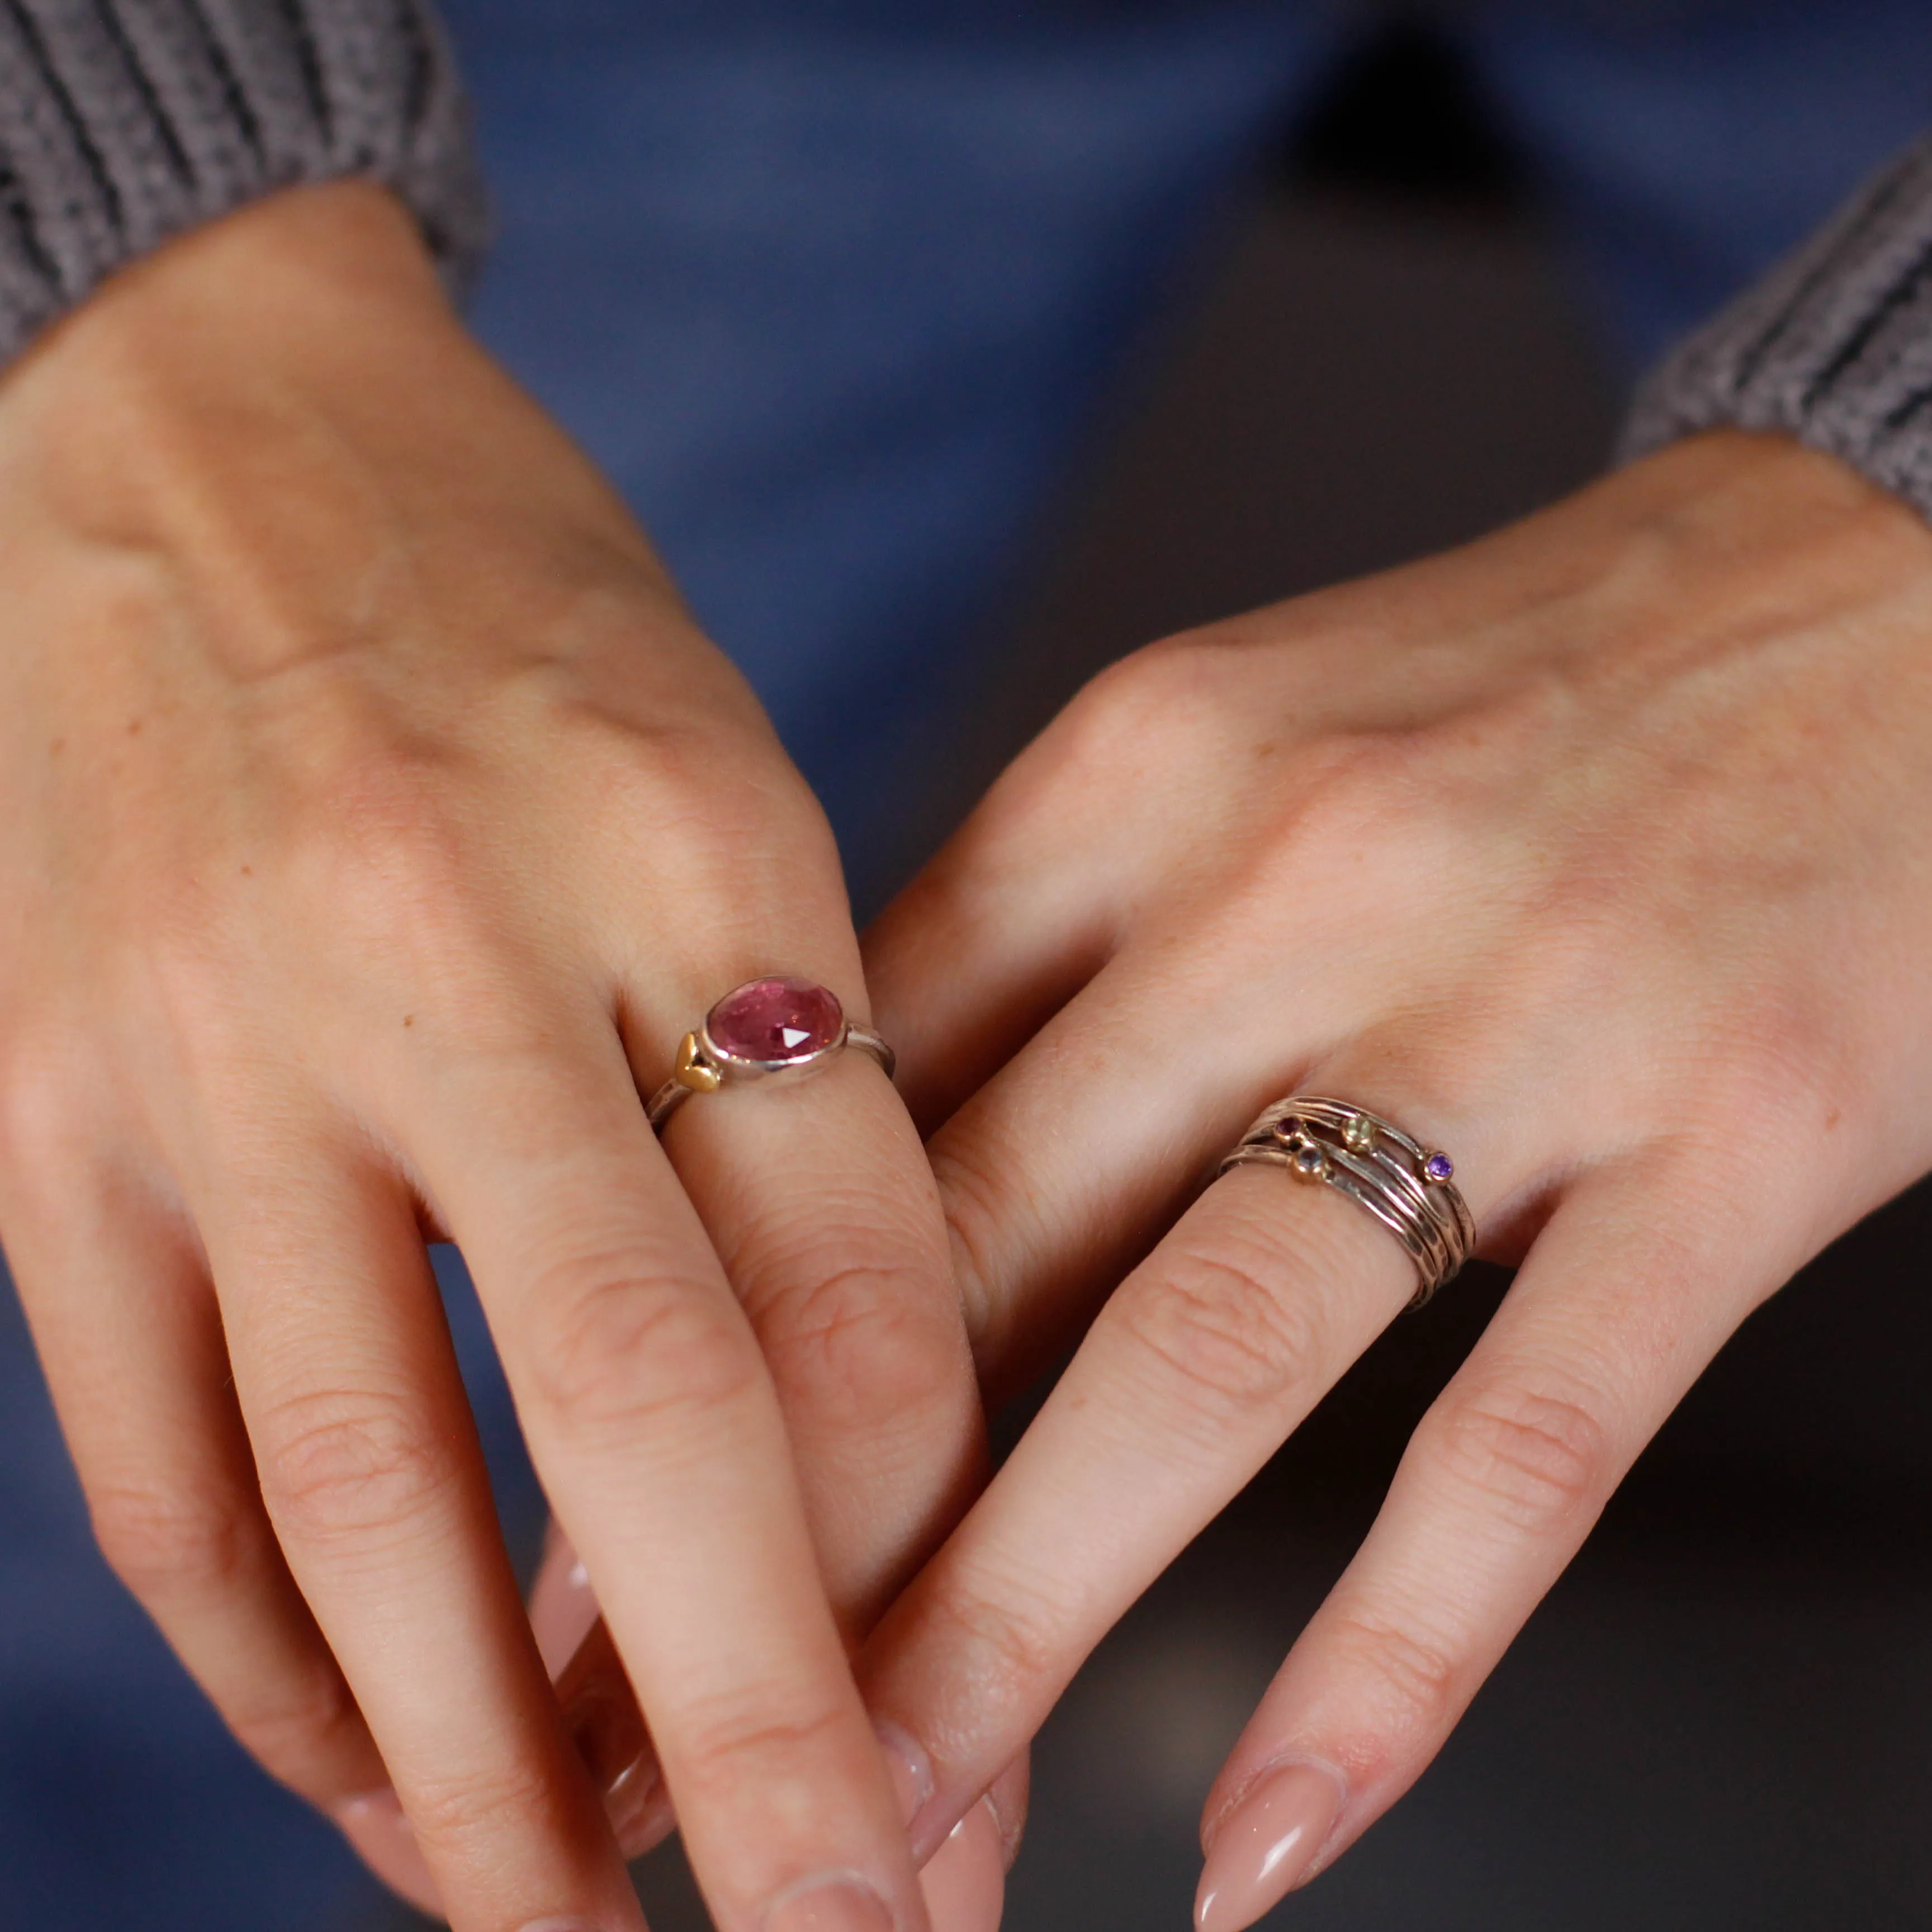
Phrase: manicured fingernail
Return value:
(562, 1605)
(965, 1880)
(910, 1767)
(838, 1902)
(1265, 1846)
(374, 1824)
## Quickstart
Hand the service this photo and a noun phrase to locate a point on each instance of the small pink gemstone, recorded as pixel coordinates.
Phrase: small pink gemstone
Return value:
(774, 1019)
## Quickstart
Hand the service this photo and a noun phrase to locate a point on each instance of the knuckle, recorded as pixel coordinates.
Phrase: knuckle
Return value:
(382, 856)
(708, 819)
(476, 1809)
(1224, 1328)
(304, 1732)
(666, 782)
(862, 1339)
(50, 1115)
(1769, 1044)
(1004, 1633)
(384, 820)
(1536, 1461)
(1366, 794)
(163, 1542)
(1158, 703)
(341, 1464)
(1411, 1682)
(761, 1732)
(623, 1348)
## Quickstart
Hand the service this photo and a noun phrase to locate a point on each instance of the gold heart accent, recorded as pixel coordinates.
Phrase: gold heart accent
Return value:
(693, 1069)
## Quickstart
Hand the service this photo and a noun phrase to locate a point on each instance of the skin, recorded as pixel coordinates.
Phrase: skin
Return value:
(1599, 853)
(378, 820)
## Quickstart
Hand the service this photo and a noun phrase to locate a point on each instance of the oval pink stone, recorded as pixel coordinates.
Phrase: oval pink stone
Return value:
(774, 1019)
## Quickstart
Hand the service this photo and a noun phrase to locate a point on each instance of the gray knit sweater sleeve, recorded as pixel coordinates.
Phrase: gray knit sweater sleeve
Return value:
(125, 121)
(1834, 347)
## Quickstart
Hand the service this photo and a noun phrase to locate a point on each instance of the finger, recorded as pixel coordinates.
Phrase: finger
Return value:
(1196, 1369)
(997, 933)
(125, 1321)
(374, 1480)
(658, 1433)
(1626, 1295)
(1059, 1173)
(563, 1606)
(965, 1880)
(819, 1203)
(379, 1832)
(963, 1883)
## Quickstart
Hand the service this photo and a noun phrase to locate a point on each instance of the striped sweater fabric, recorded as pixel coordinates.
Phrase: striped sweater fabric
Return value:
(1834, 347)
(124, 122)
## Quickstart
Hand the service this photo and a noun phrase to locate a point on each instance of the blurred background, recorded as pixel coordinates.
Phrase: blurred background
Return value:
(951, 350)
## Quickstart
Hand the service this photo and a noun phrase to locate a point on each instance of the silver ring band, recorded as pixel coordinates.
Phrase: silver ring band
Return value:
(770, 1029)
(1407, 1187)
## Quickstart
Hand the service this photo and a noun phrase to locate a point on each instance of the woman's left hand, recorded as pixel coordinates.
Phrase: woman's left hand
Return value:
(1599, 854)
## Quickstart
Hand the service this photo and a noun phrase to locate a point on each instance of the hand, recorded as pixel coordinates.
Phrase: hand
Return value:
(376, 821)
(1599, 854)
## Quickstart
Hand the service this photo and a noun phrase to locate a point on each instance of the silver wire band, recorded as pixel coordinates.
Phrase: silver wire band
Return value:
(1408, 1187)
(672, 1094)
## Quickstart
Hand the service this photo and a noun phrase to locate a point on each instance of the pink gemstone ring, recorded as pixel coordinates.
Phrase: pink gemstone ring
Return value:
(767, 1029)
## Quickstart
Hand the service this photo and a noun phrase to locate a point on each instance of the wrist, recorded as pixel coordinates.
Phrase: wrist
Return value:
(1728, 497)
(215, 335)
(282, 411)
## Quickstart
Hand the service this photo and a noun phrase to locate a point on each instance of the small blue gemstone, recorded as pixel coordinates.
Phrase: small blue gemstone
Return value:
(1439, 1167)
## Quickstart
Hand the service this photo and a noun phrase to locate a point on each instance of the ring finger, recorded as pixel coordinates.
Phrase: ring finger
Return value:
(653, 1422)
(820, 1202)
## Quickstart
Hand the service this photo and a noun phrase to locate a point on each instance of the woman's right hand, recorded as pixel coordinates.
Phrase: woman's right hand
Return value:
(376, 821)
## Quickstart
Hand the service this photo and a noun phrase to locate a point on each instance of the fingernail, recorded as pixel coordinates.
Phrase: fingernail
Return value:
(375, 1825)
(1265, 1846)
(562, 1605)
(964, 1881)
(911, 1769)
(838, 1902)
(610, 1739)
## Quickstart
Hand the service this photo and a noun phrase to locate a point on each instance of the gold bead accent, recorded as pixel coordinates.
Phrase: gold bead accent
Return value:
(693, 1069)
(1307, 1159)
(1358, 1135)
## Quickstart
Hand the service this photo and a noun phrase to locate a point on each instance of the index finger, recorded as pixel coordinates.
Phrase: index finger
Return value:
(1200, 1365)
(656, 1428)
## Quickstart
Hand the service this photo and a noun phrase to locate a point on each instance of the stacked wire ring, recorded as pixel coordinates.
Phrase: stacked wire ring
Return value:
(774, 1028)
(1410, 1189)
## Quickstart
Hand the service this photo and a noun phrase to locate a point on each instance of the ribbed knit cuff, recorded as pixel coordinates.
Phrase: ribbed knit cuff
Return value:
(123, 122)
(1834, 346)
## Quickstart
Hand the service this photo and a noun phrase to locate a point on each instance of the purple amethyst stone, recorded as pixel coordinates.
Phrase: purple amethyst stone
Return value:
(1438, 1167)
